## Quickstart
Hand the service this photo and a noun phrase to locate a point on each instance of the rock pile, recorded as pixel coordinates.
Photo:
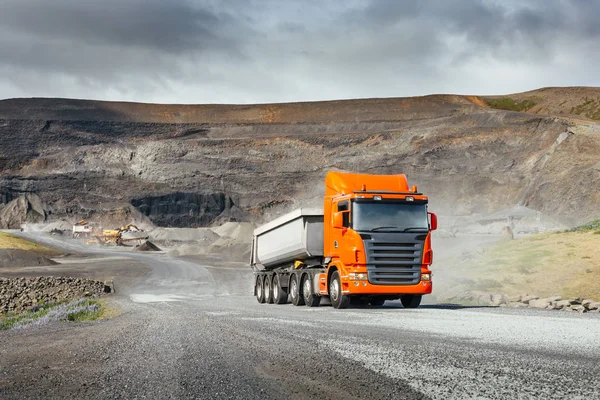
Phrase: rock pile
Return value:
(20, 294)
(529, 301)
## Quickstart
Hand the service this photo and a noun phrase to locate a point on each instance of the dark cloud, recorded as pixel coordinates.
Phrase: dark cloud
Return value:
(275, 50)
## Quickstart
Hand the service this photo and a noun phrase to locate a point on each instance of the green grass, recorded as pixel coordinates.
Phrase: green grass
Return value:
(564, 263)
(590, 226)
(74, 311)
(589, 108)
(507, 103)
(8, 241)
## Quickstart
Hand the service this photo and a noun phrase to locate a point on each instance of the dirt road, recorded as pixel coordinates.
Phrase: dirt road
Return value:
(184, 334)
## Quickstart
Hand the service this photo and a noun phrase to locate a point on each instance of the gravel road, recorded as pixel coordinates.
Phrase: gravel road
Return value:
(192, 331)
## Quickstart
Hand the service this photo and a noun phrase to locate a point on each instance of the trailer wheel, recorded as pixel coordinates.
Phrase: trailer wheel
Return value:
(310, 299)
(411, 300)
(297, 298)
(338, 299)
(279, 294)
(376, 301)
(260, 290)
(268, 289)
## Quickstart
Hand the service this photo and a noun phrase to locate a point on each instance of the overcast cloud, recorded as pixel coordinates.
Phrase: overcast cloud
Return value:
(248, 51)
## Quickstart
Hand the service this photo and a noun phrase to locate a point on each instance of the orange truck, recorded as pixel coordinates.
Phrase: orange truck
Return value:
(370, 243)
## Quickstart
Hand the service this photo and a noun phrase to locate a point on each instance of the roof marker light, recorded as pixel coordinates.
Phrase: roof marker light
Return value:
(409, 198)
(376, 197)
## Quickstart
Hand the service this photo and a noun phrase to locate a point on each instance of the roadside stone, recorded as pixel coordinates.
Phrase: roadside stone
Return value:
(579, 308)
(539, 303)
(563, 303)
(555, 298)
(595, 305)
(514, 299)
(576, 301)
(586, 302)
(498, 299)
(526, 299)
(19, 294)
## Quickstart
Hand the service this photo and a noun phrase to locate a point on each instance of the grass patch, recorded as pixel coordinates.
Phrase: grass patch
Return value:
(590, 226)
(75, 311)
(589, 108)
(8, 241)
(545, 264)
(507, 103)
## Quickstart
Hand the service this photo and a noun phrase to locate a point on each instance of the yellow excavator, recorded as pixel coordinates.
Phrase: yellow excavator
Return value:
(95, 234)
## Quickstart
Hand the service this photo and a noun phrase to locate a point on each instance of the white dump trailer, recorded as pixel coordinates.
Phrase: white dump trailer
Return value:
(297, 236)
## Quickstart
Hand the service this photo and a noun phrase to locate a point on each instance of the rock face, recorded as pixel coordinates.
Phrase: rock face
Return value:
(25, 208)
(469, 158)
(187, 209)
(20, 294)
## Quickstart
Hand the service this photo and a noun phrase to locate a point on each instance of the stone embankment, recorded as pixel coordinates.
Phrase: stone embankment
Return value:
(20, 294)
(529, 301)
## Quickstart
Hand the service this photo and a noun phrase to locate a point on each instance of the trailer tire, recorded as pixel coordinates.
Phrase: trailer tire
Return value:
(411, 300)
(310, 299)
(338, 299)
(260, 290)
(268, 285)
(279, 294)
(295, 292)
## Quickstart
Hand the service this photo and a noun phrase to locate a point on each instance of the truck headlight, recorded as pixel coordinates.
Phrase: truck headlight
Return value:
(357, 276)
(425, 277)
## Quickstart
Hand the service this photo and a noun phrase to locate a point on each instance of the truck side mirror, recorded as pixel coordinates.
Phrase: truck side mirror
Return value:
(432, 221)
(338, 220)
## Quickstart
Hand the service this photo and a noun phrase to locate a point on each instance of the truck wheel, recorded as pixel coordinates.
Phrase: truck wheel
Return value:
(260, 290)
(310, 299)
(279, 294)
(411, 300)
(268, 290)
(338, 299)
(297, 298)
(376, 302)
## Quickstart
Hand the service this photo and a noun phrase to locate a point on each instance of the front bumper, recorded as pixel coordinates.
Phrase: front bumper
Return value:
(366, 288)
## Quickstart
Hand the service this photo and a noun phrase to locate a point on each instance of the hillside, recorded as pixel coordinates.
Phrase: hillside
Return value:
(563, 263)
(217, 162)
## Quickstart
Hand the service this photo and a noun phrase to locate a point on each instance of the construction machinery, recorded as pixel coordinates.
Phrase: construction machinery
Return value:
(370, 243)
(94, 233)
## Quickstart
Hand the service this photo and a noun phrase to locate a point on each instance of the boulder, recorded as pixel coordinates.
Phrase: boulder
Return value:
(24, 209)
(539, 303)
(579, 308)
(563, 303)
(526, 299)
(498, 299)
(576, 301)
(594, 305)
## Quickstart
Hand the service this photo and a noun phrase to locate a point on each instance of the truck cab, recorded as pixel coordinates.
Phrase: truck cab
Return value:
(377, 237)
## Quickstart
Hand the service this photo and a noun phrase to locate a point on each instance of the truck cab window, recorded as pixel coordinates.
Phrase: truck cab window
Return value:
(344, 208)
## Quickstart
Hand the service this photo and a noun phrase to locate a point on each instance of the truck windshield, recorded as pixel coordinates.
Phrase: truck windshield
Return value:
(382, 216)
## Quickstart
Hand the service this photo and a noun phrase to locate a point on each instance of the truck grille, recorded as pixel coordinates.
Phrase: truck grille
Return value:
(394, 258)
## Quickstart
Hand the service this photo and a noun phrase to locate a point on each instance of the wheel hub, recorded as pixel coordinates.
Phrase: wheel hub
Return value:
(334, 288)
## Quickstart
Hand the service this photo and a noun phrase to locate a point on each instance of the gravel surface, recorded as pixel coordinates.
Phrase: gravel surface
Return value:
(191, 331)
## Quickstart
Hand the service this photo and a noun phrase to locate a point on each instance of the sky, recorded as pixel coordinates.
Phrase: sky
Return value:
(262, 51)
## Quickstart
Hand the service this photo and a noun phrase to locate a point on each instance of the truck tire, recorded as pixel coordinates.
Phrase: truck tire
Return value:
(376, 301)
(279, 294)
(411, 300)
(268, 285)
(338, 299)
(260, 289)
(295, 292)
(310, 299)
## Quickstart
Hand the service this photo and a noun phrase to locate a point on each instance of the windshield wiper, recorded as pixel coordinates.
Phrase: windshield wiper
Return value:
(384, 227)
(420, 228)
(398, 229)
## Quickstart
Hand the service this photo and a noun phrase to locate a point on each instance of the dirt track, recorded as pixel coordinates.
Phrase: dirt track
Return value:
(182, 334)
